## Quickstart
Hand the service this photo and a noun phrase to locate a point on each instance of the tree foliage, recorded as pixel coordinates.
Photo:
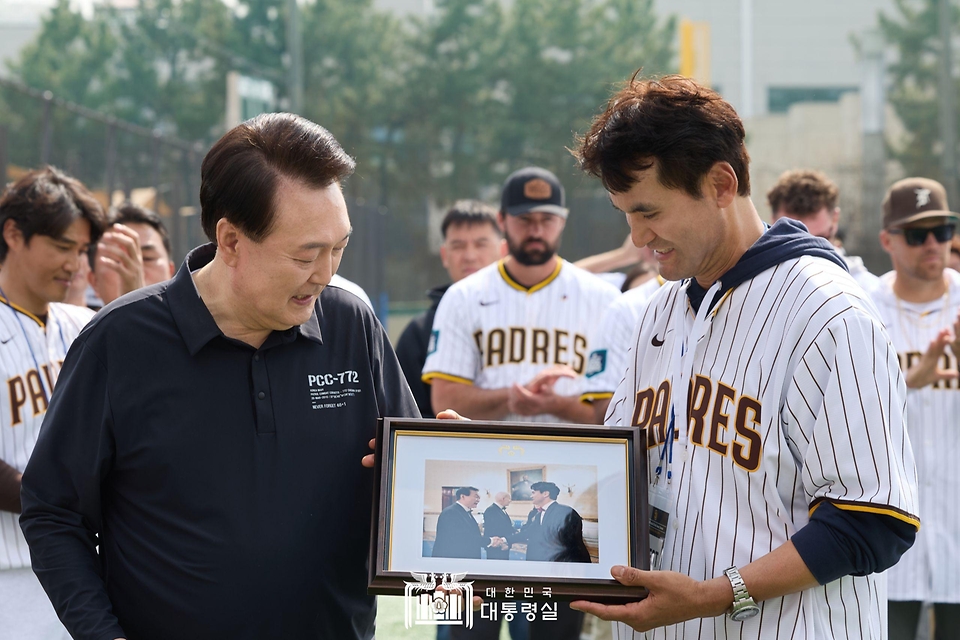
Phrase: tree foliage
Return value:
(914, 32)
(443, 104)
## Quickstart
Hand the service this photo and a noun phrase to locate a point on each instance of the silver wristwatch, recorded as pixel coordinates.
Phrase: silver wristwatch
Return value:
(744, 607)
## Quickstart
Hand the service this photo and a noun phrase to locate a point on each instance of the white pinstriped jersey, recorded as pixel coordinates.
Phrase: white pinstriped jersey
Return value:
(491, 331)
(930, 570)
(610, 340)
(31, 354)
(795, 397)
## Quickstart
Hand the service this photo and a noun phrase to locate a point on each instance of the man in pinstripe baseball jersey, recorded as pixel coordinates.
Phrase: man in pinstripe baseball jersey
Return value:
(919, 301)
(787, 481)
(48, 220)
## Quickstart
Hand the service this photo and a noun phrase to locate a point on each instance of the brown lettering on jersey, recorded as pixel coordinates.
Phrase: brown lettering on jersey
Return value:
(18, 397)
(560, 346)
(661, 411)
(38, 395)
(48, 375)
(518, 344)
(579, 353)
(642, 412)
(495, 347)
(749, 460)
(541, 346)
(948, 362)
(699, 402)
(478, 337)
(720, 418)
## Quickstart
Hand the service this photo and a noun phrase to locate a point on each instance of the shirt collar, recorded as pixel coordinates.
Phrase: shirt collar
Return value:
(194, 320)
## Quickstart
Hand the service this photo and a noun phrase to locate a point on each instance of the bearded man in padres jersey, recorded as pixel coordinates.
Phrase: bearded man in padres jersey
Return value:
(48, 221)
(765, 375)
(510, 342)
(919, 301)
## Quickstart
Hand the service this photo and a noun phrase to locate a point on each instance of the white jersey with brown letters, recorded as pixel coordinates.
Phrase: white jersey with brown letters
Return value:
(928, 571)
(795, 397)
(610, 341)
(491, 331)
(31, 354)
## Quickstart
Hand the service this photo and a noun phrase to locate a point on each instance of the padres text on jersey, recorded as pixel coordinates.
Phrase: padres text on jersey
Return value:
(491, 331)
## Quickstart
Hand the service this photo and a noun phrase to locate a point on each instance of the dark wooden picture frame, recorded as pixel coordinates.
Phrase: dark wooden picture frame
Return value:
(386, 582)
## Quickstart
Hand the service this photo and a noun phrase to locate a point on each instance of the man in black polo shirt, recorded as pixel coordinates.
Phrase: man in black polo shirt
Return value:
(209, 429)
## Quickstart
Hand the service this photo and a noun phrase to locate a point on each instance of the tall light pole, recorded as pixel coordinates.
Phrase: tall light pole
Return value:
(295, 55)
(948, 115)
(873, 102)
(746, 59)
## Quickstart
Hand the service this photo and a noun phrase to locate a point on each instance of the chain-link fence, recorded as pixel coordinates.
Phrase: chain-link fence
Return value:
(389, 254)
(117, 160)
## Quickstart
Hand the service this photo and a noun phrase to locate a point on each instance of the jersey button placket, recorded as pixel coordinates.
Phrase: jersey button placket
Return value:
(263, 405)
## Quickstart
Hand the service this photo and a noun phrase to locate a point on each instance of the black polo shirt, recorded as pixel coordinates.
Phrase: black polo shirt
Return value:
(224, 481)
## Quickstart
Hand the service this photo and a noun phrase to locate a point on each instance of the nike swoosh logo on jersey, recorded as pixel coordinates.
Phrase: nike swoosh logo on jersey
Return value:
(7, 340)
(656, 342)
(488, 303)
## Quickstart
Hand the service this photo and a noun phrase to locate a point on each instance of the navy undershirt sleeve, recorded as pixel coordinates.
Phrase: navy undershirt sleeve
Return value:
(838, 542)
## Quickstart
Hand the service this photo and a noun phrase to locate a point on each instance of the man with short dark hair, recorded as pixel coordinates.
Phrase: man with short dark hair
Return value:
(458, 534)
(811, 197)
(766, 385)
(554, 531)
(47, 221)
(207, 429)
(471, 241)
(133, 253)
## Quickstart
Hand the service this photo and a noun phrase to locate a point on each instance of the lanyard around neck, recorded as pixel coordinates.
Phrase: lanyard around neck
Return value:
(684, 352)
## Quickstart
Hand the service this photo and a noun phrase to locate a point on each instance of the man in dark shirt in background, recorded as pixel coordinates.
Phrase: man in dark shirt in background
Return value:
(471, 240)
(207, 430)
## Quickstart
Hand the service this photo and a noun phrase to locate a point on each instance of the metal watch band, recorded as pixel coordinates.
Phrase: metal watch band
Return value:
(740, 592)
(744, 606)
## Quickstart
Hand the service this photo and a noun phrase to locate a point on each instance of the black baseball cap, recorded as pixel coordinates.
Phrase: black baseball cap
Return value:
(533, 189)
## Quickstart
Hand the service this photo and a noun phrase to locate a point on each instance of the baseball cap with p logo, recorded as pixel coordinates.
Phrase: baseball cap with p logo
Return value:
(533, 189)
(913, 199)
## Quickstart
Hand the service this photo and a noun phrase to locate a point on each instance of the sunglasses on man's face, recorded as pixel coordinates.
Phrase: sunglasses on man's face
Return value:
(916, 236)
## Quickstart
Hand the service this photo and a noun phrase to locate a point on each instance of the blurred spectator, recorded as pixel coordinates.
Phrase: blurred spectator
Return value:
(48, 220)
(811, 197)
(133, 253)
(638, 275)
(471, 241)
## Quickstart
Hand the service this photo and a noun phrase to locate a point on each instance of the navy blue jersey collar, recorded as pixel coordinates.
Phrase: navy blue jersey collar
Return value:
(194, 320)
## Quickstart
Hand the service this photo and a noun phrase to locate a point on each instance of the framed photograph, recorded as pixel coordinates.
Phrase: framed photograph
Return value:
(536, 508)
(519, 481)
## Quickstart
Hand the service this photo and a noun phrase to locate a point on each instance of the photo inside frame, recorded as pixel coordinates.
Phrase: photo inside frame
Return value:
(466, 503)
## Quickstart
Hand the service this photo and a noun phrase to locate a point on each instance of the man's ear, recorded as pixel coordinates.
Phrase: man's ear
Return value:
(885, 240)
(504, 249)
(12, 234)
(443, 256)
(228, 239)
(722, 182)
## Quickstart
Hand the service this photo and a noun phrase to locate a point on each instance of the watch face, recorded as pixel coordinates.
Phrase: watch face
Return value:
(745, 613)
